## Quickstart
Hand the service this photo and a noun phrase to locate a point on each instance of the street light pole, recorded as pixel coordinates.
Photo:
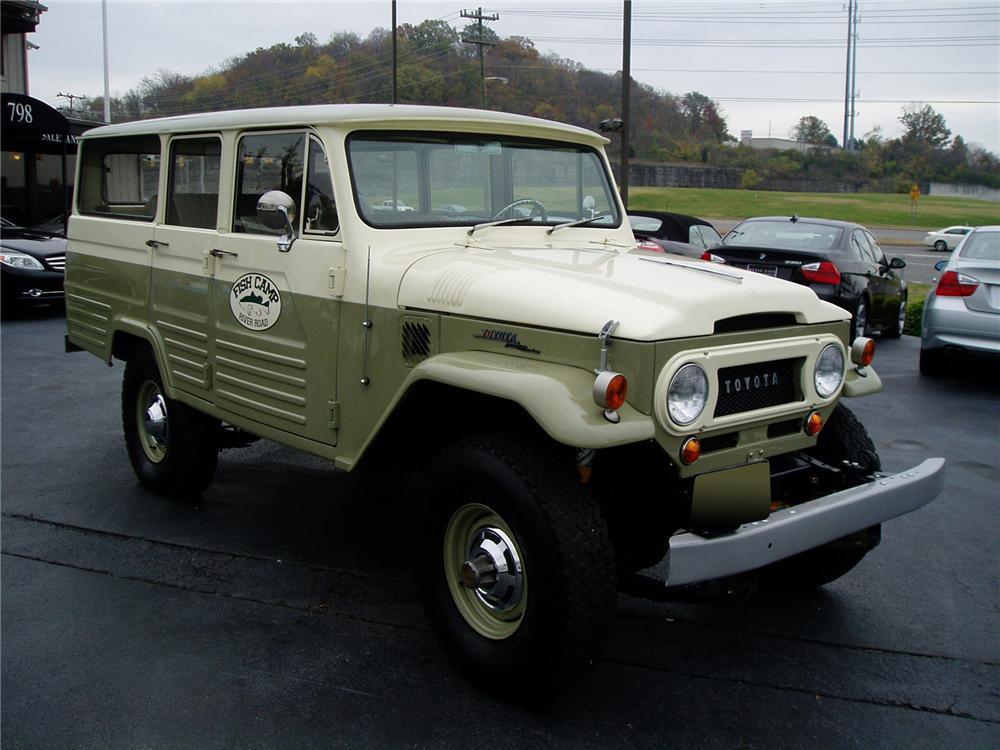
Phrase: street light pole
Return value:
(394, 59)
(626, 97)
(107, 75)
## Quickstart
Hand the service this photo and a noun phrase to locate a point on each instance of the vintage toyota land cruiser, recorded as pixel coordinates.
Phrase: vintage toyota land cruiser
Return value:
(460, 289)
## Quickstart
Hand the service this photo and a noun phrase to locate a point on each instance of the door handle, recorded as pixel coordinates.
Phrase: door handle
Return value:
(156, 243)
(217, 253)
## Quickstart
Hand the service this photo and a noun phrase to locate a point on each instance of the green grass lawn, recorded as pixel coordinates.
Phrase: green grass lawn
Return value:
(870, 209)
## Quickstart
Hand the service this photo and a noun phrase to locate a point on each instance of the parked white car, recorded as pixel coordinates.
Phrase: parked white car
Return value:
(947, 238)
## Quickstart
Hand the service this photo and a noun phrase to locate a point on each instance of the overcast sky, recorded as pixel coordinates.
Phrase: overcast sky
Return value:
(767, 62)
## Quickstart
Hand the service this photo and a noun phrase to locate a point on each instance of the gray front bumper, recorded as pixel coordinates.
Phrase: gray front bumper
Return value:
(693, 558)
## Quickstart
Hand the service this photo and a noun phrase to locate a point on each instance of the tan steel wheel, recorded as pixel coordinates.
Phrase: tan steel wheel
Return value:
(485, 571)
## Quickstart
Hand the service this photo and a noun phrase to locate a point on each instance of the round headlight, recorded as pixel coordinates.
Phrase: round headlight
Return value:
(687, 394)
(829, 372)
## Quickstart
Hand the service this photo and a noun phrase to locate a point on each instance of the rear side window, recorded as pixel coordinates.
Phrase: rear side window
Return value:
(119, 177)
(270, 161)
(982, 246)
(193, 194)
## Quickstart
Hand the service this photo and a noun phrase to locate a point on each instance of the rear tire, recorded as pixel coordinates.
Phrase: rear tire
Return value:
(896, 329)
(859, 321)
(173, 449)
(521, 511)
(932, 362)
(843, 438)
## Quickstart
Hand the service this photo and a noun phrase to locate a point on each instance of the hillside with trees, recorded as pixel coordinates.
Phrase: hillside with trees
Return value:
(436, 67)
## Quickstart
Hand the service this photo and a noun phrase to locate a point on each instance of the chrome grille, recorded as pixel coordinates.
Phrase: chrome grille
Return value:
(56, 262)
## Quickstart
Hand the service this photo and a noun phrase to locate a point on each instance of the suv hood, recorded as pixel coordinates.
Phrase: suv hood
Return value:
(578, 289)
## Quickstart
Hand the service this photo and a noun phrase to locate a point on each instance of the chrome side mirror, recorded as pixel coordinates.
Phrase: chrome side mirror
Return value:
(276, 210)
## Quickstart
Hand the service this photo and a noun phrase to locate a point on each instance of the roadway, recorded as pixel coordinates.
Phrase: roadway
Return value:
(278, 609)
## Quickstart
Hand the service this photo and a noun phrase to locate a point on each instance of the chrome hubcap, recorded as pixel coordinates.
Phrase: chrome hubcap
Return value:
(493, 570)
(485, 571)
(154, 423)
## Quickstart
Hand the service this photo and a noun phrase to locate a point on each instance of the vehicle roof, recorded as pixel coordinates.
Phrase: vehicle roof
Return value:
(383, 116)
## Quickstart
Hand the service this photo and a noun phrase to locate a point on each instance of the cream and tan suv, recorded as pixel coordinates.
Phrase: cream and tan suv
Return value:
(461, 289)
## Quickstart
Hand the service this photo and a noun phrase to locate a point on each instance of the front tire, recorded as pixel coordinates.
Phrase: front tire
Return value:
(173, 449)
(843, 439)
(518, 574)
(940, 246)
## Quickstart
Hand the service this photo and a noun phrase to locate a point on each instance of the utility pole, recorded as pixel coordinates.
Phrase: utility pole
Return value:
(480, 42)
(847, 76)
(626, 97)
(394, 58)
(71, 98)
(854, 70)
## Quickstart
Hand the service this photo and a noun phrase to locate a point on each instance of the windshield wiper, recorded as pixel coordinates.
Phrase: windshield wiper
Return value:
(577, 223)
(516, 220)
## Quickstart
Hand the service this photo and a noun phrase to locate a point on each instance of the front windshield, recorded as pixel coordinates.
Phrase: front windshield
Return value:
(785, 235)
(423, 180)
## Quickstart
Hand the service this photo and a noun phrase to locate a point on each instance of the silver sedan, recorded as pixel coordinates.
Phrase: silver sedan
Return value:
(963, 310)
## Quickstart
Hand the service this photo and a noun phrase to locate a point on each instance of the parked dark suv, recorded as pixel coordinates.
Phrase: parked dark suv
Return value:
(840, 261)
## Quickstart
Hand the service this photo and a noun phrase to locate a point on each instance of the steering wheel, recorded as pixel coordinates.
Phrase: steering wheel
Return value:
(522, 201)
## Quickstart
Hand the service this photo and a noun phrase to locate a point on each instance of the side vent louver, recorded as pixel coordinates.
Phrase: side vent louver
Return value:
(415, 340)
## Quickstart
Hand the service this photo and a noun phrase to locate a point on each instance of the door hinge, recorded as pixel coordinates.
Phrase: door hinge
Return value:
(338, 275)
(334, 411)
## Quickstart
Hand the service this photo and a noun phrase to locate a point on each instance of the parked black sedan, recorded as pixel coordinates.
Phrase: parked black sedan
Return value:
(842, 262)
(32, 266)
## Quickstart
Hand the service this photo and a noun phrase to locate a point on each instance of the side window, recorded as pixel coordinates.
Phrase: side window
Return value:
(193, 192)
(876, 249)
(119, 177)
(273, 161)
(867, 253)
(695, 236)
(321, 207)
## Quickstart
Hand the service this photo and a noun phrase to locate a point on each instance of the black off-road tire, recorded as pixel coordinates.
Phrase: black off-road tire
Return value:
(843, 438)
(568, 565)
(895, 330)
(184, 462)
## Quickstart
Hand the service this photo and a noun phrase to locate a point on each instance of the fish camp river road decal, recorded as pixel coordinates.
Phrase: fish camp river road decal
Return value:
(255, 302)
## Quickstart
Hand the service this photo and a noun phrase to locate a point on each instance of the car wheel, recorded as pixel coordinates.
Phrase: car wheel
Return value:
(518, 574)
(932, 362)
(940, 246)
(173, 449)
(859, 323)
(899, 325)
(843, 440)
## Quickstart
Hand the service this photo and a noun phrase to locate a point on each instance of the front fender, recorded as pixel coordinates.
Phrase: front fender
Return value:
(558, 397)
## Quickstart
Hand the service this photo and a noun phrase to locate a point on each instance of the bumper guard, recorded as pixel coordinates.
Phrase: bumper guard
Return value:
(693, 558)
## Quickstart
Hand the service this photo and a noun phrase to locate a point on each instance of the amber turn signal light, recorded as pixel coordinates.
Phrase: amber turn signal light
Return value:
(814, 423)
(862, 351)
(691, 451)
(610, 390)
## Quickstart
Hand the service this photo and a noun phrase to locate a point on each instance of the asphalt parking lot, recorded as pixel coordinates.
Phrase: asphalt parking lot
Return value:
(278, 612)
